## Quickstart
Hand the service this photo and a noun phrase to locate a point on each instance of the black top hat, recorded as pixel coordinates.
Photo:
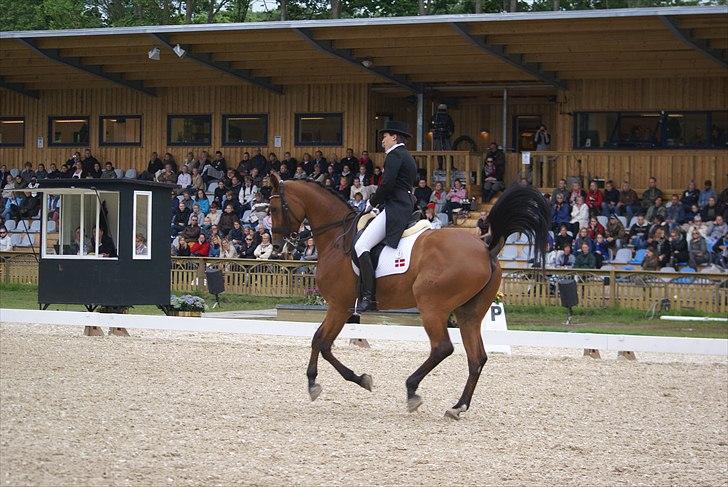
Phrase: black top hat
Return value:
(395, 127)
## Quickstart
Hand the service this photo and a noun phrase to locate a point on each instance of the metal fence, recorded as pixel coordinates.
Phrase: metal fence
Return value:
(707, 292)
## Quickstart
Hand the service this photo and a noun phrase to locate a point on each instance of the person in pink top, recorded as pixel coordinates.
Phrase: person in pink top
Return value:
(455, 197)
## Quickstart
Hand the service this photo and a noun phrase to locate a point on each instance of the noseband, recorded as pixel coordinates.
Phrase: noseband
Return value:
(292, 235)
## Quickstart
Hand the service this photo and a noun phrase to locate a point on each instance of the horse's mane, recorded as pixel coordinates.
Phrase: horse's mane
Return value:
(332, 191)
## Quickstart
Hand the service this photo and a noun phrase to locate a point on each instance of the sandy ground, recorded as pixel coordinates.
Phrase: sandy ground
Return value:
(173, 408)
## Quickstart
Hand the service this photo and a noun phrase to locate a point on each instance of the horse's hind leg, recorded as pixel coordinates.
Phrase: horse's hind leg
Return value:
(321, 342)
(435, 323)
(470, 316)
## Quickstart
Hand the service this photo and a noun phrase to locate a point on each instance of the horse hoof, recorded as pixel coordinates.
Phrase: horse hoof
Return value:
(413, 403)
(314, 391)
(366, 382)
(454, 413)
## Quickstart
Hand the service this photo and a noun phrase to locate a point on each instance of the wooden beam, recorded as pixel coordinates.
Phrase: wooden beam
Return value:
(97, 71)
(382, 71)
(686, 37)
(499, 51)
(18, 88)
(224, 67)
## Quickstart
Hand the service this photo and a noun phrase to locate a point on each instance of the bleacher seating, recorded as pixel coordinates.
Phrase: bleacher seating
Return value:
(623, 256)
(639, 257)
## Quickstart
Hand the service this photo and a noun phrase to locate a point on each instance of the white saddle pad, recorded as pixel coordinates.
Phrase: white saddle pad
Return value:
(397, 261)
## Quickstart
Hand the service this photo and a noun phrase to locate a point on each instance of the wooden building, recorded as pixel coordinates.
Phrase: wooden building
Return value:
(625, 93)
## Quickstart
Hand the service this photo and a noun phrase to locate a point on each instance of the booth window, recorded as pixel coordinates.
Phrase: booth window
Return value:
(12, 131)
(319, 129)
(246, 130)
(142, 225)
(189, 130)
(650, 130)
(68, 131)
(82, 216)
(120, 130)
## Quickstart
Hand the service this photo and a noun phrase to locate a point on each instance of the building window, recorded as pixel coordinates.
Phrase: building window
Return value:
(68, 131)
(319, 129)
(189, 130)
(120, 130)
(83, 215)
(12, 131)
(650, 130)
(246, 130)
(142, 244)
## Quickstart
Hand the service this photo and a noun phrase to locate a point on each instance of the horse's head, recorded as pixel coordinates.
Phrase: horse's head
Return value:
(286, 211)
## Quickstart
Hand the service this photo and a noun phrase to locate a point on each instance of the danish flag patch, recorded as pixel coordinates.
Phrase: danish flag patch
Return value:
(399, 262)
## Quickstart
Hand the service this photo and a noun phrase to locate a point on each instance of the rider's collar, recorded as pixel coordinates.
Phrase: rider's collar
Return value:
(393, 147)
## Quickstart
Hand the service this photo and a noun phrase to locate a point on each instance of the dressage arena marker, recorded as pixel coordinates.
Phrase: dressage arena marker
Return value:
(616, 343)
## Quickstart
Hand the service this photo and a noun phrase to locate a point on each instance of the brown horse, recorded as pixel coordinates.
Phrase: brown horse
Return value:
(450, 270)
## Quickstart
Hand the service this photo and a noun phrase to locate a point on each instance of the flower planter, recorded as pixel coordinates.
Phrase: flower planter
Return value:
(194, 314)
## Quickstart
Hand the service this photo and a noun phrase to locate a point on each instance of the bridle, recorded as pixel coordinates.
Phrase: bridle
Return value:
(290, 235)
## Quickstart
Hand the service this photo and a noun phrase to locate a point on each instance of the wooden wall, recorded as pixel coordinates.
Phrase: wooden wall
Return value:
(350, 99)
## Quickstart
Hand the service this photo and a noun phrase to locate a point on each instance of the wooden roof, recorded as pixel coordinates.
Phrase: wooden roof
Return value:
(415, 54)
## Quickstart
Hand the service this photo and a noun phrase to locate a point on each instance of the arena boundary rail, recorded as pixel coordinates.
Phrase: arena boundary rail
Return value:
(602, 342)
(635, 289)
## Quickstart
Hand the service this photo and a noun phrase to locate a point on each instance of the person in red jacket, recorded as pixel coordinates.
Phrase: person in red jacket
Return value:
(201, 248)
(595, 228)
(594, 199)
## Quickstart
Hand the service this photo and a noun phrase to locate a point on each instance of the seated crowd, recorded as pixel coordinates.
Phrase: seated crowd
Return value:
(687, 229)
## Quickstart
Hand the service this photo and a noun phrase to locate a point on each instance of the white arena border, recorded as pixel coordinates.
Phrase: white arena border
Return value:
(606, 342)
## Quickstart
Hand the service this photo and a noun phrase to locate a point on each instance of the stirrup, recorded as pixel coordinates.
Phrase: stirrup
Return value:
(371, 305)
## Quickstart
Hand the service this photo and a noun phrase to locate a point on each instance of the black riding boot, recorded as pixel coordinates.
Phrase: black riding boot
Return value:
(366, 285)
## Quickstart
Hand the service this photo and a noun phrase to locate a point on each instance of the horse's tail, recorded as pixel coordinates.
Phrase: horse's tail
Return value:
(520, 209)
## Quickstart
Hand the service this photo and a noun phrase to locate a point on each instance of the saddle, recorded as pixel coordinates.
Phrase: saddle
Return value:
(416, 224)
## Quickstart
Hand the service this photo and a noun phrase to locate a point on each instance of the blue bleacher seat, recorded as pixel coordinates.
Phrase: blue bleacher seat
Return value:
(10, 225)
(623, 256)
(509, 253)
(35, 226)
(639, 257)
(51, 226)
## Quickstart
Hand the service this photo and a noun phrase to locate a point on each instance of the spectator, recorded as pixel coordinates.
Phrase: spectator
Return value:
(8, 185)
(674, 211)
(196, 213)
(41, 173)
(191, 162)
(716, 229)
(206, 226)
(273, 163)
(300, 173)
(169, 159)
(95, 171)
(431, 217)
(690, 214)
(154, 165)
(4, 173)
(652, 261)
(167, 175)
(180, 218)
(247, 250)
(594, 199)
(661, 247)
(364, 191)
(197, 181)
(187, 199)
(227, 219)
(583, 238)
(88, 160)
(54, 173)
(638, 233)
(579, 215)
(317, 175)
(560, 189)
(200, 247)
(720, 252)
(140, 245)
(75, 157)
(6, 244)
(499, 159)
(309, 252)
(542, 138)
(439, 198)
(202, 201)
(192, 231)
(244, 165)
(108, 172)
(490, 184)
(651, 193)
(318, 159)
(710, 211)
(236, 235)
(562, 238)
(357, 202)
(482, 224)
(259, 209)
(106, 243)
(564, 258)
(697, 250)
(346, 173)
(214, 213)
(214, 232)
(231, 199)
(422, 194)
(181, 249)
(350, 160)
(284, 173)
(628, 204)
(678, 248)
(595, 228)
(455, 198)
(601, 250)
(691, 195)
(220, 191)
(614, 233)
(215, 246)
(184, 179)
(707, 193)
(585, 259)
(343, 187)
(227, 249)
(560, 212)
(265, 249)
(442, 128)
(611, 199)
(657, 209)
(367, 163)
(377, 176)
(696, 224)
(220, 164)
(289, 161)
(576, 192)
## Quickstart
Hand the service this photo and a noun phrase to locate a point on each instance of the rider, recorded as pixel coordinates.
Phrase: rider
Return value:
(395, 195)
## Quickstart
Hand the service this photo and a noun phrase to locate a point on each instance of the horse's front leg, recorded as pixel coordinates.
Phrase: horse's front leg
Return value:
(322, 340)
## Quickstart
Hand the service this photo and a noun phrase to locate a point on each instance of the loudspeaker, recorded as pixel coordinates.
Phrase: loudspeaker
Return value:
(567, 291)
(215, 281)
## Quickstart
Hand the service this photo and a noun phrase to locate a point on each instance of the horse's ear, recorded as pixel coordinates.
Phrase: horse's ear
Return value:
(275, 180)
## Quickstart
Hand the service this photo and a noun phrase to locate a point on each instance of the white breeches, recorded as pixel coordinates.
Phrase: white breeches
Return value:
(372, 234)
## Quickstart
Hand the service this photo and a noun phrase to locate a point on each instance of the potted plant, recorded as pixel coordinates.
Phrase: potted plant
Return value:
(186, 305)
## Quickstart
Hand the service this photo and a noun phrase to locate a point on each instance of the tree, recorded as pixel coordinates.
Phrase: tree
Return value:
(335, 9)
(478, 7)
(284, 9)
